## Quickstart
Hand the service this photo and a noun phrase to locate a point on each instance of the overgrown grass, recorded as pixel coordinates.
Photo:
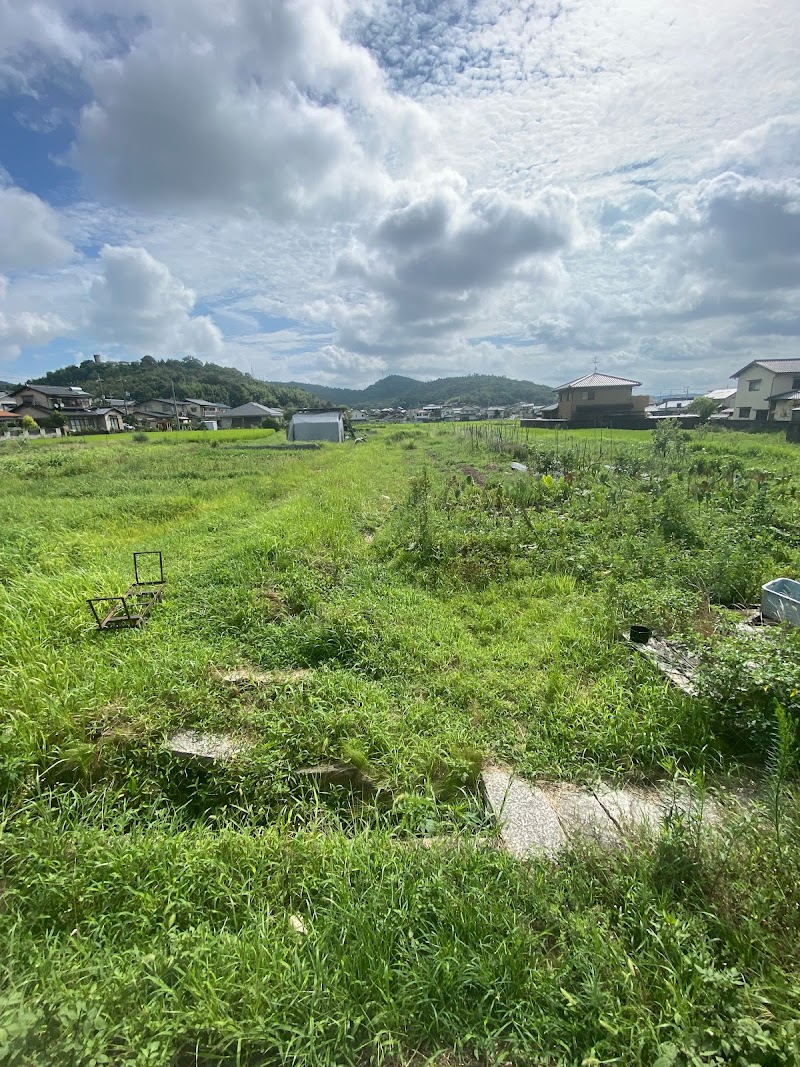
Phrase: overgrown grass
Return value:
(423, 608)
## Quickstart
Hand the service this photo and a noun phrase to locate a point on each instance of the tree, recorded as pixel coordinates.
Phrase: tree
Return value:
(29, 423)
(55, 421)
(703, 406)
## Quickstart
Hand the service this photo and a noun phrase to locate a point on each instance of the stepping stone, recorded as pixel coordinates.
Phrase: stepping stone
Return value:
(205, 747)
(602, 813)
(528, 824)
(245, 676)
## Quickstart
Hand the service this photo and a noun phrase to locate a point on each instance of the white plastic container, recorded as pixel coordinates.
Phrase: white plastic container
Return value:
(780, 600)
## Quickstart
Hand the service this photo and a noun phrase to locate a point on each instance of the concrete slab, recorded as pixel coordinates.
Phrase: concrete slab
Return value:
(206, 747)
(674, 662)
(243, 676)
(579, 813)
(528, 824)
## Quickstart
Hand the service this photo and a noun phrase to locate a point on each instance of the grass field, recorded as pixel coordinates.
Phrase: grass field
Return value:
(421, 609)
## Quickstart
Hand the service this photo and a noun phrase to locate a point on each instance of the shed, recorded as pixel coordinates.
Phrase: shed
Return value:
(316, 426)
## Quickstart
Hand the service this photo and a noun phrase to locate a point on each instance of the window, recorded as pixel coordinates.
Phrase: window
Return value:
(754, 385)
(744, 413)
(590, 394)
(795, 383)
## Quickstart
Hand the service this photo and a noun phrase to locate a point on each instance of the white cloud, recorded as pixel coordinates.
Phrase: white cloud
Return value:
(136, 303)
(258, 102)
(20, 329)
(30, 237)
(428, 263)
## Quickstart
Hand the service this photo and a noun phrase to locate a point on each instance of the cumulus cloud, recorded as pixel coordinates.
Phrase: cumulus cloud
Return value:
(259, 103)
(427, 265)
(19, 329)
(30, 237)
(136, 303)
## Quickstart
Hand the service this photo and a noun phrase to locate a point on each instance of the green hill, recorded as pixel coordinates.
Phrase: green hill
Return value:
(148, 378)
(398, 391)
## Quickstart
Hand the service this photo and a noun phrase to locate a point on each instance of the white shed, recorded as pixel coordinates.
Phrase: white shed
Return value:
(316, 426)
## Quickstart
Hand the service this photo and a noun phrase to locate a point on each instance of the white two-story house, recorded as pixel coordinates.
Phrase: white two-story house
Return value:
(768, 390)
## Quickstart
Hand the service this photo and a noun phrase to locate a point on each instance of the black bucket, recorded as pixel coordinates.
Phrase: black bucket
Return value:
(640, 635)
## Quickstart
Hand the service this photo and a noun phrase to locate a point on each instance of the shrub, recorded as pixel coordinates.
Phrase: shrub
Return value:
(140, 437)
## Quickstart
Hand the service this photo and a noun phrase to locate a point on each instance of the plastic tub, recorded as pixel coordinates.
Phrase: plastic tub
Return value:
(780, 600)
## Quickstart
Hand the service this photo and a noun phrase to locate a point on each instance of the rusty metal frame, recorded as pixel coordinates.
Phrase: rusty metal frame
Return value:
(131, 608)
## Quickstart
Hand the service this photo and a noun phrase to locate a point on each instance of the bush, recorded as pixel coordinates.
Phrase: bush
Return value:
(29, 423)
(140, 437)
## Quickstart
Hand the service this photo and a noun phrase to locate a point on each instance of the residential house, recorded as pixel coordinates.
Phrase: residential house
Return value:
(164, 409)
(495, 413)
(597, 398)
(204, 410)
(9, 420)
(7, 401)
(316, 426)
(248, 416)
(669, 405)
(71, 403)
(768, 390)
(723, 397)
(358, 416)
(96, 420)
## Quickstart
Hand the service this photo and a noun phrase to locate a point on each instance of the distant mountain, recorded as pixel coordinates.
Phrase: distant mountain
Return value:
(148, 379)
(398, 391)
(6, 386)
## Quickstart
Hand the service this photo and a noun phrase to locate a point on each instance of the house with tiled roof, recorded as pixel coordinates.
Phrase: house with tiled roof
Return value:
(70, 404)
(595, 398)
(768, 390)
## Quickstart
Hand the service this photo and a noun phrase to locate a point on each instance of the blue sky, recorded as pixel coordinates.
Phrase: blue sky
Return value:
(335, 190)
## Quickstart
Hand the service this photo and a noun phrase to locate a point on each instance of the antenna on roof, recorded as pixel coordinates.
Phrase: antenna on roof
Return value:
(595, 363)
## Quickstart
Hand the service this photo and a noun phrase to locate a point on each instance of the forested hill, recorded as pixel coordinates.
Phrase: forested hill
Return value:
(398, 391)
(148, 378)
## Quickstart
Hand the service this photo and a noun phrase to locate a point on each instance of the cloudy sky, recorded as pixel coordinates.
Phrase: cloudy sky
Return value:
(335, 190)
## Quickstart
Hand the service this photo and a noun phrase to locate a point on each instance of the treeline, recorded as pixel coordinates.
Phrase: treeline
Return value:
(148, 378)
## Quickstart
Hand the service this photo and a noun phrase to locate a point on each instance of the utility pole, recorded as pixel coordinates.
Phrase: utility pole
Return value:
(175, 405)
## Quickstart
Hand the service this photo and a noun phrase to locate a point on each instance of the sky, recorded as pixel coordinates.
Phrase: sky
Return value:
(337, 190)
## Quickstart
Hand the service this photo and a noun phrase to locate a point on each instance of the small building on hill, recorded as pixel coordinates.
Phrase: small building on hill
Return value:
(316, 426)
(248, 416)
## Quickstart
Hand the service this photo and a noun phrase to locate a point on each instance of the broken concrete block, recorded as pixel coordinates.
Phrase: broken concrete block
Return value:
(205, 747)
(528, 824)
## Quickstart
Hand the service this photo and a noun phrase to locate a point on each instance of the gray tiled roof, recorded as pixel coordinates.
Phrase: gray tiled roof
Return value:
(777, 366)
(597, 381)
(54, 390)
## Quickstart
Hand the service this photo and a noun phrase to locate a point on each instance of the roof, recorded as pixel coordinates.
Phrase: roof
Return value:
(777, 366)
(253, 409)
(597, 381)
(8, 415)
(793, 394)
(720, 394)
(317, 416)
(203, 403)
(53, 390)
